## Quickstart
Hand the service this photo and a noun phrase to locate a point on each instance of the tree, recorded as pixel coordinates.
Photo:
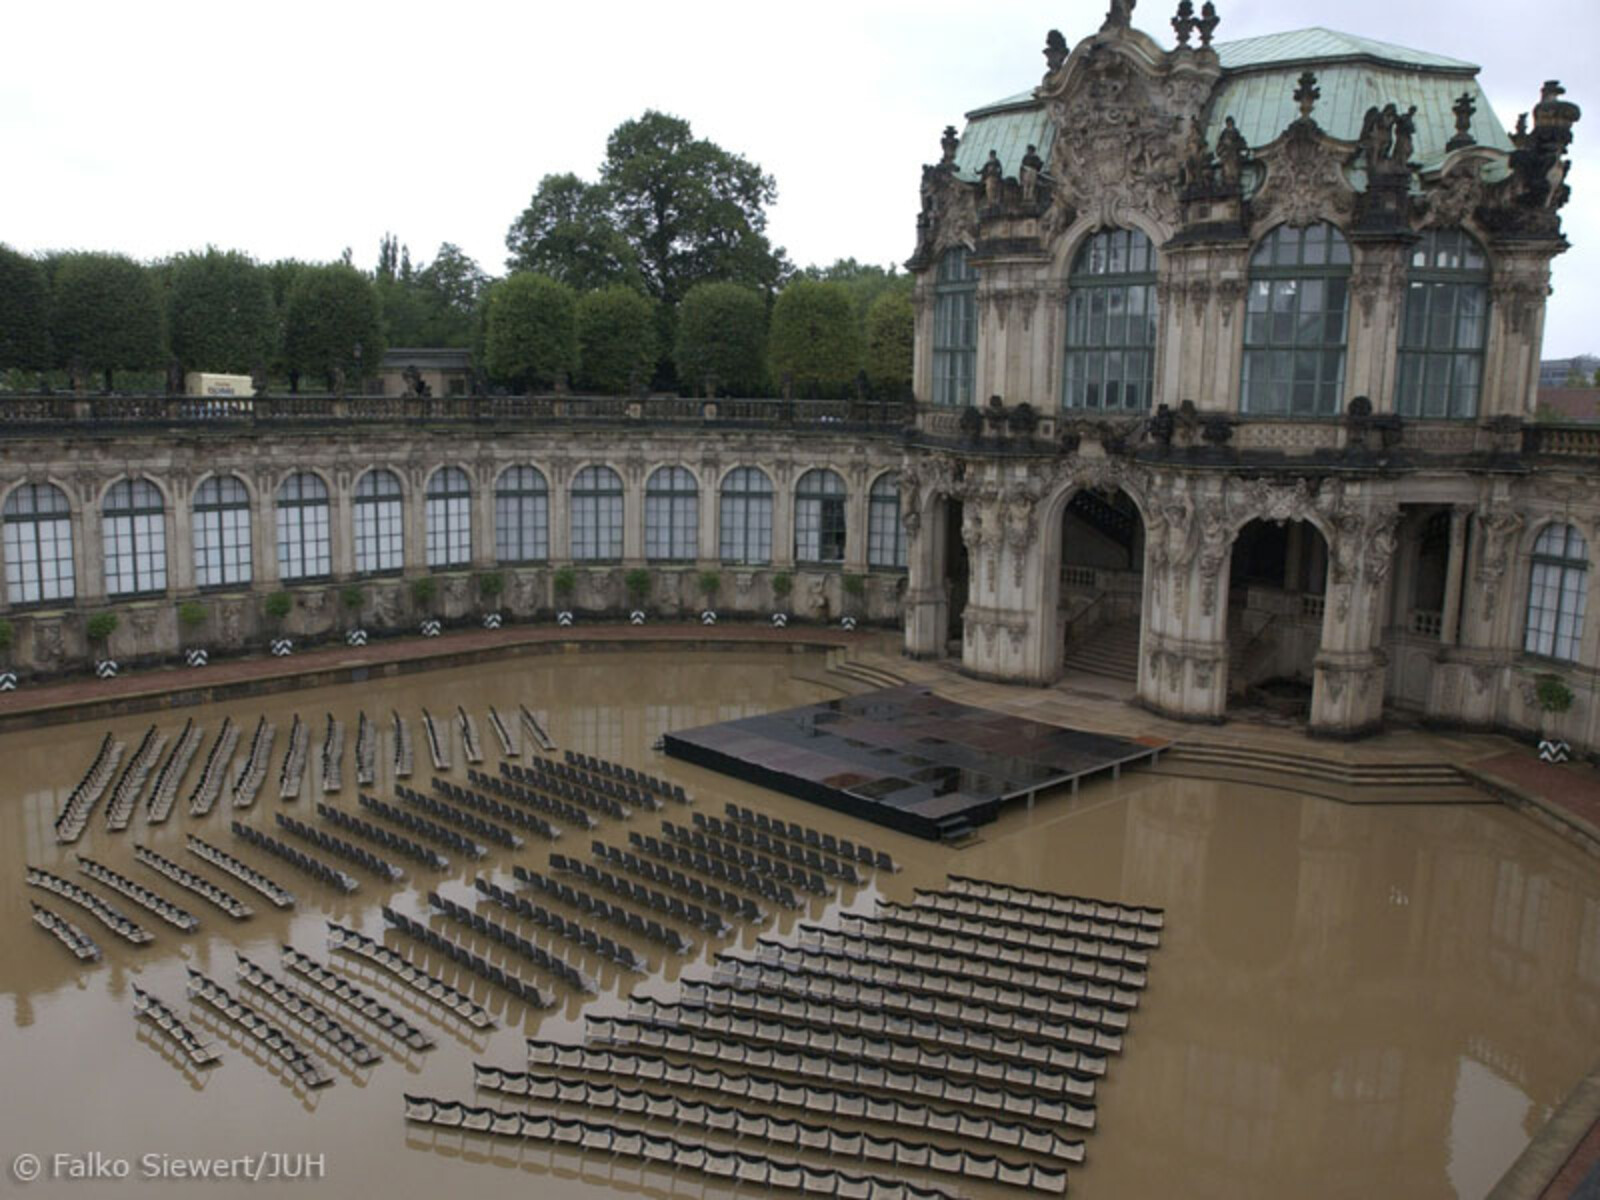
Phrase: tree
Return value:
(616, 339)
(891, 330)
(815, 337)
(530, 334)
(865, 281)
(24, 313)
(219, 311)
(567, 233)
(105, 315)
(432, 305)
(331, 324)
(722, 338)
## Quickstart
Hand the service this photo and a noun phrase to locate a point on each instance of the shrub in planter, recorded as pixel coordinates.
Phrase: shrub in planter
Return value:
(637, 581)
(782, 585)
(710, 583)
(1554, 697)
(191, 616)
(855, 590)
(352, 598)
(277, 606)
(424, 590)
(8, 635)
(491, 585)
(565, 582)
(100, 627)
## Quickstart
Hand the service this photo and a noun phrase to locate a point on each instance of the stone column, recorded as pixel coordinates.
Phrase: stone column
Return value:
(414, 556)
(1183, 643)
(632, 518)
(483, 552)
(1449, 621)
(264, 532)
(180, 539)
(341, 525)
(559, 512)
(783, 479)
(926, 608)
(1377, 300)
(855, 524)
(1348, 688)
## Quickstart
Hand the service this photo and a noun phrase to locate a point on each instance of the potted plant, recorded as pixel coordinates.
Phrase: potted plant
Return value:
(98, 629)
(8, 635)
(782, 585)
(637, 583)
(276, 608)
(565, 582)
(855, 592)
(191, 616)
(424, 590)
(1554, 697)
(491, 585)
(352, 599)
(710, 582)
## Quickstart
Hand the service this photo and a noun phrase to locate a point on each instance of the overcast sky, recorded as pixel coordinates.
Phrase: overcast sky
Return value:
(297, 129)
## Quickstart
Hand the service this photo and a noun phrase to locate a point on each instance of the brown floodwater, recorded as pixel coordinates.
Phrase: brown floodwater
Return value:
(1348, 1001)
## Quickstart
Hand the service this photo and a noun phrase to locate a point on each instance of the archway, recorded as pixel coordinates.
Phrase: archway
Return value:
(1101, 584)
(1277, 580)
(955, 572)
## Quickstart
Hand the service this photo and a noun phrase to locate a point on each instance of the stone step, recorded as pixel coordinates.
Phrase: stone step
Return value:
(1323, 787)
(1110, 651)
(1370, 774)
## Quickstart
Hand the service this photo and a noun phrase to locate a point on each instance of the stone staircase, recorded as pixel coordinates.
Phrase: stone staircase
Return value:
(870, 676)
(1370, 782)
(1110, 650)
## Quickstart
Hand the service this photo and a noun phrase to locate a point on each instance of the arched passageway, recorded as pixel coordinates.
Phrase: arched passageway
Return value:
(1277, 583)
(1101, 584)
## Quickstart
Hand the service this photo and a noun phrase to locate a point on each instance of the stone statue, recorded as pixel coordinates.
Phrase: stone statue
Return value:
(993, 175)
(416, 385)
(1028, 176)
(1464, 108)
(1120, 15)
(1376, 131)
(1231, 152)
(1055, 50)
(948, 144)
(1196, 156)
(1405, 137)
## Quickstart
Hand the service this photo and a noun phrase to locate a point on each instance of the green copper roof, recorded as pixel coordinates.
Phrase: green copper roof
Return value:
(1007, 128)
(1317, 44)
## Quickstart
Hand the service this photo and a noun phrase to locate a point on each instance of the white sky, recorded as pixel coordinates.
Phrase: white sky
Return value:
(297, 129)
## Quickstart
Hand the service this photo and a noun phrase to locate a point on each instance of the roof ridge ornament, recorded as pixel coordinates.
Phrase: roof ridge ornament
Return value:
(1120, 15)
(1307, 94)
(1207, 24)
(1464, 108)
(1184, 22)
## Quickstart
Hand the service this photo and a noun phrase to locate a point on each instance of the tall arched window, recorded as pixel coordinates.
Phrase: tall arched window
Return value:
(38, 545)
(447, 518)
(597, 515)
(1294, 334)
(671, 516)
(521, 516)
(1445, 327)
(1558, 590)
(379, 524)
(304, 551)
(819, 517)
(955, 328)
(886, 534)
(222, 533)
(135, 539)
(1111, 323)
(744, 521)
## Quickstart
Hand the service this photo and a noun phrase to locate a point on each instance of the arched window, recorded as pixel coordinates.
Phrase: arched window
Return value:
(379, 524)
(1558, 589)
(597, 515)
(447, 518)
(886, 534)
(1294, 334)
(1111, 323)
(745, 517)
(521, 516)
(955, 328)
(1445, 327)
(38, 545)
(303, 545)
(819, 518)
(135, 539)
(671, 516)
(222, 533)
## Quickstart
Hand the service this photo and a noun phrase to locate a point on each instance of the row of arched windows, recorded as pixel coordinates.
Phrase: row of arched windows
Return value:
(1297, 316)
(37, 520)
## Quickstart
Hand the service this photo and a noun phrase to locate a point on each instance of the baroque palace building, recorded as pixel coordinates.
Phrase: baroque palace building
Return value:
(1226, 351)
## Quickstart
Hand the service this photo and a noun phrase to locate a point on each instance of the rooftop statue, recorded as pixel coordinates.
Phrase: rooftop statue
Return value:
(1231, 152)
(993, 175)
(1055, 50)
(1028, 176)
(1121, 14)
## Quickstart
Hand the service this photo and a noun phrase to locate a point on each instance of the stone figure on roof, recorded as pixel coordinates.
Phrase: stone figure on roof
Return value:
(1405, 137)
(1121, 14)
(1377, 129)
(1055, 50)
(1028, 176)
(993, 175)
(1196, 156)
(1231, 152)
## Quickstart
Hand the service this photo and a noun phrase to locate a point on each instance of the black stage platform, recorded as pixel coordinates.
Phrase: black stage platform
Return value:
(905, 758)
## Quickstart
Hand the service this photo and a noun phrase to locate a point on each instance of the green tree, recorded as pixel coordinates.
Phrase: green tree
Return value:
(105, 314)
(891, 330)
(567, 233)
(432, 305)
(24, 313)
(616, 339)
(530, 333)
(219, 311)
(815, 338)
(866, 282)
(722, 337)
(331, 324)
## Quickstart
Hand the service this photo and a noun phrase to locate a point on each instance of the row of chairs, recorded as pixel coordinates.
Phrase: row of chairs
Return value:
(308, 1014)
(534, 729)
(387, 839)
(751, 1170)
(920, 916)
(332, 755)
(164, 791)
(627, 775)
(720, 869)
(534, 776)
(355, 999)
(280, 1045)
(470, 746)
(814, 838)
(746, 1125)
(597, 906)
(351, 941)
(520, 988)
(754, 976)
(572, 814)
(709, 894)
(846, 1073)
(500, 812)
(160, 1014)
(962, 990)
(108, 915)
(85, 795)
(142, 896)
(68, 934)
(292, 774)
(253, 772)
(471, 822)
(827, 1102)
(213, 772)
(672, 906)
(438, 747)
(782, 872)
(198, 884)
(359, 855)
(296, 858)
(404, 755)
(366, 750)
(515, 942)
(976, 946)
(806, 856)
(422, 827)
(1056, 902)
(573, 931)
(508, 744)
(597, 784)
(1033, 919)
(129, 785)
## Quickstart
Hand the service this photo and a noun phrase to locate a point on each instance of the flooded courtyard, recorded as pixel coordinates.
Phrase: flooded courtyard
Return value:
(1346, 1001)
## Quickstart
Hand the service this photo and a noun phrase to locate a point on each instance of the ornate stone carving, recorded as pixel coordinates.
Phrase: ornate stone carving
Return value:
(1519, 299)
(1375, 275)
(1305, 179)
(1215, 545)
(1499, 527)
(49, 646)
(1230, 294)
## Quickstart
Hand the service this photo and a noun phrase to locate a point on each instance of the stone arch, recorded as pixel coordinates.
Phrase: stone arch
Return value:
(1087, 225)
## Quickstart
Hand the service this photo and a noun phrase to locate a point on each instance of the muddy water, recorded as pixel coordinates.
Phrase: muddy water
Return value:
(1348, 1001)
